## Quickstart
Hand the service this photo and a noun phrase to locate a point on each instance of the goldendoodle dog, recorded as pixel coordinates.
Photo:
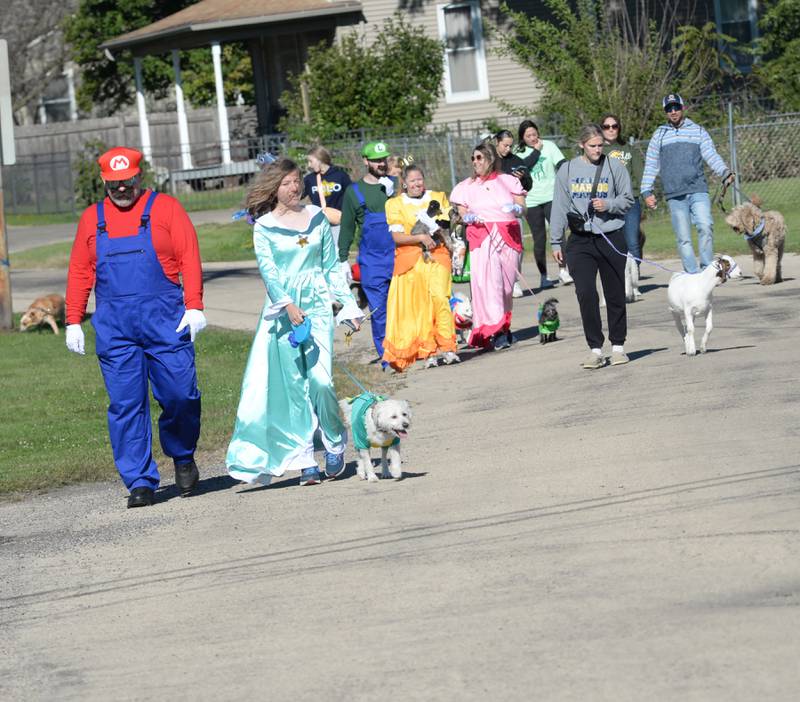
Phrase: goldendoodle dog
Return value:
(765, 232)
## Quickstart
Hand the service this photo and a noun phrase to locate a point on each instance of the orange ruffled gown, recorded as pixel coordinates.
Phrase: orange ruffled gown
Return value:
(419, 321)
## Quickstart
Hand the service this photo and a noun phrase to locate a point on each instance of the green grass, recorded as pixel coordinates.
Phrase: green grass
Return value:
(218, 242)
(229, 199)
(33, 220)
(53, 413)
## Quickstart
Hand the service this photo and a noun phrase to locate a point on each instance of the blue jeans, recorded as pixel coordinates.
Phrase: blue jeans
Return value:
(633, 217)
(694, 208)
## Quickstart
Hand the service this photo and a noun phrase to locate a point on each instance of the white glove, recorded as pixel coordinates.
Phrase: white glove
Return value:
(75, 339)
(512, 207)
(346, 271)
(471, 218)
(195, 320)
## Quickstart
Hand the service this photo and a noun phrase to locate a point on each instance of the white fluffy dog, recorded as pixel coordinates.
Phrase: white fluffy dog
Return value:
(376, 422)
(690, 295)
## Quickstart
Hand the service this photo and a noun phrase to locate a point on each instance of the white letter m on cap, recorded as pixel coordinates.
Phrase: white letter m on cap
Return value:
(119, 163)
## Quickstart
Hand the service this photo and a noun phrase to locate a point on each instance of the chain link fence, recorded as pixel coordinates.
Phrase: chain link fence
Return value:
(763, 152)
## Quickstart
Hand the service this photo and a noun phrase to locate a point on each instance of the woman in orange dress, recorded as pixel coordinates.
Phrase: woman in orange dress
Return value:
(419, 321)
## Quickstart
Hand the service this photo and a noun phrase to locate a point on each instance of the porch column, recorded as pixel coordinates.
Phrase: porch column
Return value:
(144, 126)
(183, 125)
(222, 113)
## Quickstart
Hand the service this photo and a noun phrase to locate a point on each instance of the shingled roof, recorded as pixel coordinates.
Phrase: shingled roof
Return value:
(221, 15)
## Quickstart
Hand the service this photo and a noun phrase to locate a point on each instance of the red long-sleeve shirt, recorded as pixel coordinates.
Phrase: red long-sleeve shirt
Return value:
(174, 241)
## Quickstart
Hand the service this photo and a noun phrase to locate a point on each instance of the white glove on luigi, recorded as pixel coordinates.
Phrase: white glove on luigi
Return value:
(347, 272)
(195, 320)
(75, 339)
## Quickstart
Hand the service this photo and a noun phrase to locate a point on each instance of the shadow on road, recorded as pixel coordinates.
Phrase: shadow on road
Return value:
(641, 353)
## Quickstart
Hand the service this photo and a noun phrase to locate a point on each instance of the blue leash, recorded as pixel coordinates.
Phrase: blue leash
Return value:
(351, 376)
(638, 260)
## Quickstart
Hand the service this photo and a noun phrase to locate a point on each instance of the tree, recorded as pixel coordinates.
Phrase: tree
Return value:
(111, 83)
(35, 46)
(593, 57)
(780, 47)
(393, 82)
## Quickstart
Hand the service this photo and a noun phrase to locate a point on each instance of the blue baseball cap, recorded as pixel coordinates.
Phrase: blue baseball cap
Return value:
(672, 99)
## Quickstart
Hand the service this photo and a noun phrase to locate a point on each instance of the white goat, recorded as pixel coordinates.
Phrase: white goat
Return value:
(689, 295)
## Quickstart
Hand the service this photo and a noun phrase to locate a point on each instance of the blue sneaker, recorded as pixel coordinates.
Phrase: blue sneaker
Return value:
(310, 476)
(501, 342)
(334, 464)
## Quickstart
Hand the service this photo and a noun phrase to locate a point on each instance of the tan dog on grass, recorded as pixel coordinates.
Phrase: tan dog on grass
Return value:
(48, 309)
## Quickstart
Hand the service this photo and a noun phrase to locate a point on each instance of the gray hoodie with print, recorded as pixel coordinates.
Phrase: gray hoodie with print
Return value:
(572, 194)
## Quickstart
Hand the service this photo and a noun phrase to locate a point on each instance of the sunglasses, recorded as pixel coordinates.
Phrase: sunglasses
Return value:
(477, 158)
(673, 108)
(611, 126)
(117, 184)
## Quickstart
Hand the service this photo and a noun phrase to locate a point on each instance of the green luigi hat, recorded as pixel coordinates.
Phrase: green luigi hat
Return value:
(375, 151)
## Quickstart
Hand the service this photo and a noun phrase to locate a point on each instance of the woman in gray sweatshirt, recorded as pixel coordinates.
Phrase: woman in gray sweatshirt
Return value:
(592, 195)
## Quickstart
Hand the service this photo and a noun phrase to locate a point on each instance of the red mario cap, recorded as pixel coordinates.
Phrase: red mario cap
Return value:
(119, 163)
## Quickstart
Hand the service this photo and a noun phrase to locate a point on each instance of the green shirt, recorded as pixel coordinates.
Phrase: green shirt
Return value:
(543, 173)
(631, 157)
(353, 215)
(360, 404)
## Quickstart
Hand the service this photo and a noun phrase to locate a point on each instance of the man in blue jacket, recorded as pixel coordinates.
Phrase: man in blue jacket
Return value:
(676, 152)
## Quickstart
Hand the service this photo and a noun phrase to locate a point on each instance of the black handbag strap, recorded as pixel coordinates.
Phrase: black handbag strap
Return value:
(597, 173)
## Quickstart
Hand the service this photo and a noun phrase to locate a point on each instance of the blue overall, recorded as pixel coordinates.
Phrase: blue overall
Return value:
(376, 260)
(137, 311)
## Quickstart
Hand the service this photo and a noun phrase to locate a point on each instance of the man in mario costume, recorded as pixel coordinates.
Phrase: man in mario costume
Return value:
(134, 248)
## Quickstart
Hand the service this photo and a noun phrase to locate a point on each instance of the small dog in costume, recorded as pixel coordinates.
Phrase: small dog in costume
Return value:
(434, 225)
(548, 321)
(458, 252)
(462, 314)
(377, 422)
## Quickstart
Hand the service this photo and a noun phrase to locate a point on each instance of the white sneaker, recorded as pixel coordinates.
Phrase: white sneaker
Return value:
(431, 362)
(564, 276)
(517, 291)
(450, 357)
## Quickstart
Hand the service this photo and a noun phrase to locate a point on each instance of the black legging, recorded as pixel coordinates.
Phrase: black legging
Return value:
(586, 255)
(536, 217)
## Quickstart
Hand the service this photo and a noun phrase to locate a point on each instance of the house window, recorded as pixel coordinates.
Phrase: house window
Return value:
(461, 31)
(738, 19)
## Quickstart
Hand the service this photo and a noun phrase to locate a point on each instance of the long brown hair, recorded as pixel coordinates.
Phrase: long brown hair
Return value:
(490, 155)
(602, 121)
(263, 194)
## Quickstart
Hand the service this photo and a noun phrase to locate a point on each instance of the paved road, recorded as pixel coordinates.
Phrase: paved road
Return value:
(623, 534)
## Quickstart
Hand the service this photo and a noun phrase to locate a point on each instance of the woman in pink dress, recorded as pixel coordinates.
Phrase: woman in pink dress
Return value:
(490, 203)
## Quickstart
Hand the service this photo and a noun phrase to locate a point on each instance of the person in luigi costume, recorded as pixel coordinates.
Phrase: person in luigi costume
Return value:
(364, 208)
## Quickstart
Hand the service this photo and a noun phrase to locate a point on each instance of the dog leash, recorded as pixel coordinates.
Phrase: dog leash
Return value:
(722, 190)
(625, 255)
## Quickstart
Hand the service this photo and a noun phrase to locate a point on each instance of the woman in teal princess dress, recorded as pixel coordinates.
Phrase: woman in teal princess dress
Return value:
(288, 405)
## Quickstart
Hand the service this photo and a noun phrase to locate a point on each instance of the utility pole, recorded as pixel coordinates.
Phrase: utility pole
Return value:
(7, 158)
